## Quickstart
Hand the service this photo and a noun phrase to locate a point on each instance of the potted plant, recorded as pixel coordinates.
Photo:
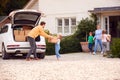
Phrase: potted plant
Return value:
(84, 27)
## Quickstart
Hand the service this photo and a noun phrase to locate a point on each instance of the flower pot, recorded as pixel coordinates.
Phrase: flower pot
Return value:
(84, 46)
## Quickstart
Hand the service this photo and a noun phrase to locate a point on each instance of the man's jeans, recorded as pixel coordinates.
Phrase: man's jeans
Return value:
(98, 41)
(57, 49)
(32, 47)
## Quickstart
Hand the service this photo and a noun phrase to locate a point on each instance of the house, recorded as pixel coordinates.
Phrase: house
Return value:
(62, 16)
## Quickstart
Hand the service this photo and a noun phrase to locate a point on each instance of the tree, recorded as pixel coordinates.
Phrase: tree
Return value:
(84, 27)
(6, 6)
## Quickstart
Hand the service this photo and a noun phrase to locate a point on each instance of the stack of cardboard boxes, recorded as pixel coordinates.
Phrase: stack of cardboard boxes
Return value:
(20, 35)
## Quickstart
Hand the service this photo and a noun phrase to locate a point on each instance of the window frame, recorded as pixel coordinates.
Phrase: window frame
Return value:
(62, 28)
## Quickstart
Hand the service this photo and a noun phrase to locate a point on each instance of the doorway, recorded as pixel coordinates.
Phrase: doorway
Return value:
(113, 24)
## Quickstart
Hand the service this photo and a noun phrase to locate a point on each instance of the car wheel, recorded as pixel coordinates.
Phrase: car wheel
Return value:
(5, 55)
(41, 55)
(24, 55)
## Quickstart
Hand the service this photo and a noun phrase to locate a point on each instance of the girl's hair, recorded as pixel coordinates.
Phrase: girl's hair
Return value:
(60, 36)
(104, 31)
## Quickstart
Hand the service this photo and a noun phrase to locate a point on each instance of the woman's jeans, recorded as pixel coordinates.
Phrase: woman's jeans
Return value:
(90, 46)
(32, 47)
(57, 49)
(98, 41)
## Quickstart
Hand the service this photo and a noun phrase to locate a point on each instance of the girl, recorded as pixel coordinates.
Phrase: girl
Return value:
(57, 46)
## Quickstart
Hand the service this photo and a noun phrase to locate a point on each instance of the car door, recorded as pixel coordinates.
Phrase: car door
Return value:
(25, 17)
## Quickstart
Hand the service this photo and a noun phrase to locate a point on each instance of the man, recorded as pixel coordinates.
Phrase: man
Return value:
(36, 31)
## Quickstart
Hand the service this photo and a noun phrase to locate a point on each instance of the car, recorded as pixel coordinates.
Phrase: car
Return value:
(13, 32)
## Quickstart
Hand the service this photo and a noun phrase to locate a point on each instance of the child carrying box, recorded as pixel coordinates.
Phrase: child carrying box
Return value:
(56, 40)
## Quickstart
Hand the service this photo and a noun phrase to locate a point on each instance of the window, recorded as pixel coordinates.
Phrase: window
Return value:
(73, 21)
(73, 25)
(66, 25)
(59, 24)
(4, 29)
(66, 22)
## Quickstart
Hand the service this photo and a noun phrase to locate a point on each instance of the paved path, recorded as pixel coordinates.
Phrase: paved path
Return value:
(74, 66)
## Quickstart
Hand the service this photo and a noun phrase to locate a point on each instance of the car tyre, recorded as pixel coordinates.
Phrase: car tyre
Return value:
(5, 55)
(41, 55)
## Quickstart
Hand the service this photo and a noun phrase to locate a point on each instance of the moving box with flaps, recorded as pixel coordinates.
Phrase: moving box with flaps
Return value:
(19, 35)
(26, 32)
(53, 40)
(20, 38)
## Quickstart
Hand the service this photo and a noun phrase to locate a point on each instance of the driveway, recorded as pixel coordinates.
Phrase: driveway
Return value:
(74, 66)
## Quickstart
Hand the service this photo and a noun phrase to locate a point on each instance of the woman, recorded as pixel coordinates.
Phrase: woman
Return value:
(98, 39)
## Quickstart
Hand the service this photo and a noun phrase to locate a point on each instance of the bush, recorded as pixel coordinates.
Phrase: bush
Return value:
(50, 49)
(68, 44)
(115, 47)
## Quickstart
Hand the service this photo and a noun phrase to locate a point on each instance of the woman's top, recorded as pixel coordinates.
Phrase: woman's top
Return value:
(98, 34)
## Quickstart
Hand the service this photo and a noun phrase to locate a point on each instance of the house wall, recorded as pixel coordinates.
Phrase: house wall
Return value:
(69, 8)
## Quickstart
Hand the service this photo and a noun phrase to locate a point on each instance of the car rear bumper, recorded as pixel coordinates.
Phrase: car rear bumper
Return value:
(24, 50)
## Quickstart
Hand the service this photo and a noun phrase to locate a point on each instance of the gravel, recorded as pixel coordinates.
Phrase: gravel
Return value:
(74, 66)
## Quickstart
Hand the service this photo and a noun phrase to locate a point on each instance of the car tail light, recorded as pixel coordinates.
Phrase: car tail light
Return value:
(12, 46)
(41, 46)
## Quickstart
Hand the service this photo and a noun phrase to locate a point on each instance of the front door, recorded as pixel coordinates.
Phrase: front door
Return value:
(114, 30)
(107, 28)
(106, 24)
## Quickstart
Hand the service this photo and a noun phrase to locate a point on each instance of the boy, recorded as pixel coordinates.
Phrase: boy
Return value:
(90, 41)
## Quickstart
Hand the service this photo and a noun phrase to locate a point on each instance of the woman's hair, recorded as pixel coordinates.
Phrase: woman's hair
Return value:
(98, 26)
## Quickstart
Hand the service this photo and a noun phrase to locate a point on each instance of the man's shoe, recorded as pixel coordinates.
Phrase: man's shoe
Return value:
(36, 59)
(28, 59)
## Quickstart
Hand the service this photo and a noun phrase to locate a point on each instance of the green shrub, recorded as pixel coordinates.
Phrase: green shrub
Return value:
(50, 49)
(68, 44)
(115, 47)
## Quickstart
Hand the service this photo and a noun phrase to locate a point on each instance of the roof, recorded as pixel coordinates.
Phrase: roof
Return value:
(30, 4)
(5, 21)
(105, 9)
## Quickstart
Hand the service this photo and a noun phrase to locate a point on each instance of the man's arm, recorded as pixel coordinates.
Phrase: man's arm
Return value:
(42, 33)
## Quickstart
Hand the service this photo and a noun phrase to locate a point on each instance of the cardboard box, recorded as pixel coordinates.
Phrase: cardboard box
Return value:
(19, 32)
(16, 32)
(20, 38)
(54, 40)
(27, 27)
(26, 32)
